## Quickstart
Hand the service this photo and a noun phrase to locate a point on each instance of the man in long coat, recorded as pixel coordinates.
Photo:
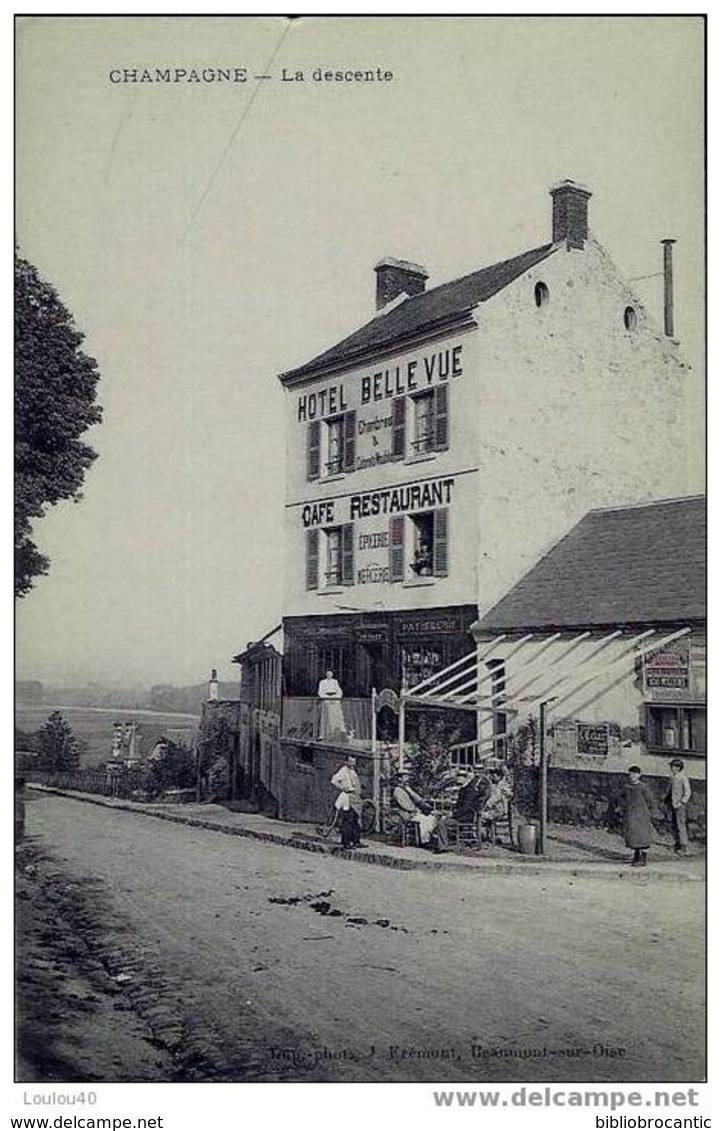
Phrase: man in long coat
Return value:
(637, 827)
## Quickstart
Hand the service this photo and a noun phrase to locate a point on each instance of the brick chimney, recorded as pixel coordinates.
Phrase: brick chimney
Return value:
(395, 277)
(570, 213)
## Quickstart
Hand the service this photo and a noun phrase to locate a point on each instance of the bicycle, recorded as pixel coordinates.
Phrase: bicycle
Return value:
(367, 820)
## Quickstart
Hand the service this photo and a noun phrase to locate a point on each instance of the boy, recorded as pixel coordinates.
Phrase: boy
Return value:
(678, 797)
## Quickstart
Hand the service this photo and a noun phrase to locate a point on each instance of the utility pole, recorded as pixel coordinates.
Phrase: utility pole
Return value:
(543, 774)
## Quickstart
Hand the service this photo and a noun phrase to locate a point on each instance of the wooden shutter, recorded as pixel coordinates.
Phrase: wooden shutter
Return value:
(347, 577)
(397, 533)
(441, 418)
(440, 543)
(311, 559)
(398, 442)
(349, 441)
(313, 461)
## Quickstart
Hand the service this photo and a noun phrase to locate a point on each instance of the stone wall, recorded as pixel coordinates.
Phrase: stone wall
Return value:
(592, 798)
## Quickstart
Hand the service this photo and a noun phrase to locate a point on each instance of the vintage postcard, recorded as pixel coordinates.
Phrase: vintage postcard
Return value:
(360, 558)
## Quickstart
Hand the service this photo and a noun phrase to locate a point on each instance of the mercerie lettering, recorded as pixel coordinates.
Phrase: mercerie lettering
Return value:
(384, 384)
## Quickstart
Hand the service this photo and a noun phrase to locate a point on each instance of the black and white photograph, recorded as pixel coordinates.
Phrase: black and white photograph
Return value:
(360, 560)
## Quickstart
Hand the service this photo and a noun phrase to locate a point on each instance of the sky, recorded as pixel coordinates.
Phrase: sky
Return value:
(208, 236)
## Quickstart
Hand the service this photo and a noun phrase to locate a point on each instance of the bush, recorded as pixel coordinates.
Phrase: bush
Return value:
(58, 748)
(170, 766)
(430, 764)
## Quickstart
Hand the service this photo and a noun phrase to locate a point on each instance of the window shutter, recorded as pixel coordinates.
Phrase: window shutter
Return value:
(398, 443)
(440, 543)
(397, 533)
(314, 449)
(349, 441)
(311, 559)
(347, 554)
(441, 422)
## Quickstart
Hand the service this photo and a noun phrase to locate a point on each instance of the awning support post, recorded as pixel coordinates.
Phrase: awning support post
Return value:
(376, 762)
(543, 776)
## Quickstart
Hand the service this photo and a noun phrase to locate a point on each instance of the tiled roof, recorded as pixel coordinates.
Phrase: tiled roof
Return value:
(635, 565)
(425, 311)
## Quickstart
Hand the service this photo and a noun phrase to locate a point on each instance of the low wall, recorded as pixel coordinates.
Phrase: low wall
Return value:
(585, 797)
(303, 786)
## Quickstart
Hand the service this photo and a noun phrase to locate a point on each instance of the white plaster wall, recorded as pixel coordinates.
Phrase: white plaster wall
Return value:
(575, 411)
(458, 463)
(615, 695)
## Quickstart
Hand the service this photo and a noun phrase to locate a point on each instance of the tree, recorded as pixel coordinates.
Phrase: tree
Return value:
(171, 766)
(59, 749)
(55, 386)
(430, 765)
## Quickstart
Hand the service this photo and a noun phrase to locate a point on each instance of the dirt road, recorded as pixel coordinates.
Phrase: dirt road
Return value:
(232, 959)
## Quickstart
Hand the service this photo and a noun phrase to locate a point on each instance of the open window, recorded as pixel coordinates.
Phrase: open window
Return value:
(419, 546)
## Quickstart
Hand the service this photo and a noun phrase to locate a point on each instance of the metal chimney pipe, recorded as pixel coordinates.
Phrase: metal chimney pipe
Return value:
(668, 287)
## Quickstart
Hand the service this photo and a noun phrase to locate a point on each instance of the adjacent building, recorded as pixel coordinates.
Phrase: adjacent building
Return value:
(614, 623)
(436, 452)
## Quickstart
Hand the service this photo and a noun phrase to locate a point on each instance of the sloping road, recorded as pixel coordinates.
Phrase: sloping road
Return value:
(218, 948)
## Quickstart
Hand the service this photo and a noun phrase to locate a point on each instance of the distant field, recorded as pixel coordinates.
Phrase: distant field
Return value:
(94, 725)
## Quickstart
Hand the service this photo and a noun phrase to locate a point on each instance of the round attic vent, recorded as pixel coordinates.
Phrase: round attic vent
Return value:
(540, 293)
(630, 318)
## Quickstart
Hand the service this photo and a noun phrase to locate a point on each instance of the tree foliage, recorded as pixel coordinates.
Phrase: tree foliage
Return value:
(58, 748)
(430, 764)
(171, 766)
(55, 387)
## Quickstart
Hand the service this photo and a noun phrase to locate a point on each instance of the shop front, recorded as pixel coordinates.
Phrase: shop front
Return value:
(367, 650)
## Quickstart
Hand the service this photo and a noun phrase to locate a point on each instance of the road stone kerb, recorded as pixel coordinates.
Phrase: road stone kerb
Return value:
(404, 859)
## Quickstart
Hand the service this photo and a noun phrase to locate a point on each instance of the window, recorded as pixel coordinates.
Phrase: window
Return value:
(421, 661)
(676, 729)
(422, 550)
(428, 424)
(334, 561)
(424, 425)
(329, 557)
(498, 689)
(419, 546)
(334, 462)
(331, 446)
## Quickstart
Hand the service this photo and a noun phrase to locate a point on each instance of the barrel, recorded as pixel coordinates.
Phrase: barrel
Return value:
(527, 839)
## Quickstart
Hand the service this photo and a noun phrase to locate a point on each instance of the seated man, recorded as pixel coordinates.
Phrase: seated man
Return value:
(432, 829)
(495, 806)
(471, 798)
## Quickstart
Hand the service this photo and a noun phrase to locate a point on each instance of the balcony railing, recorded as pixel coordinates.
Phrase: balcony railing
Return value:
(346, 721)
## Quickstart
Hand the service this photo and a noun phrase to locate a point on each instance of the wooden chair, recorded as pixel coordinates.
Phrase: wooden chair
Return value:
(410, 834)
(495, 827)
